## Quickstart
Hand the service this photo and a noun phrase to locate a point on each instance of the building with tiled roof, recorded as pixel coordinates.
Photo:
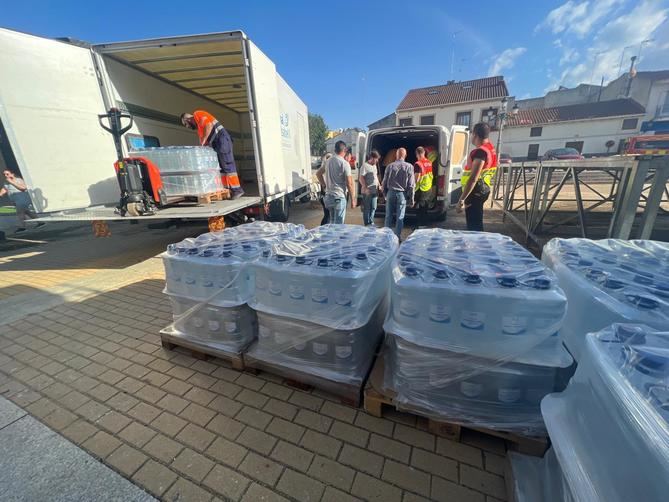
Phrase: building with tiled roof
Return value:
(587, 127)
(464, 103)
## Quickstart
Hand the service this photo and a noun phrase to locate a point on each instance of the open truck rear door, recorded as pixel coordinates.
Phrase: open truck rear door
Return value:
(50, 98)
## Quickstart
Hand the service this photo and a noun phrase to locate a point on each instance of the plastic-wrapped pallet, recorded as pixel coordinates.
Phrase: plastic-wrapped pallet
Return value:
(472, 331)
(209, 279)
(321, 299)
(609, 281)
(480, 392)
(333, 275)
(537, 479)
(185, 170)
(610, 427)
(324, 357)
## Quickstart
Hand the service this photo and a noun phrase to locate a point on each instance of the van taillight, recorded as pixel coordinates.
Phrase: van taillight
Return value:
(441, 185)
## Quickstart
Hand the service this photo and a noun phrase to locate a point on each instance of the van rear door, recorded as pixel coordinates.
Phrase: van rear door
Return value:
(49, 101)
(457, 158)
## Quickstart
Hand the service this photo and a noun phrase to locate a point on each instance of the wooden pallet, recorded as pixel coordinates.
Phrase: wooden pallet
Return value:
(375, 400)
(208, 198)
(201, 351)
(348, 394)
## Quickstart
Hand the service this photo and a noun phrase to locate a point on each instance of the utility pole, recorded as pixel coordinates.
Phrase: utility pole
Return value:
(630, 77)
(647, 41)
(620, 66)
(601, 86)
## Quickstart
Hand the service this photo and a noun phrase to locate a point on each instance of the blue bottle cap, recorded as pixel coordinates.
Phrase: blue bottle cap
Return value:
(412, 271)
(226, 254)
(542, 283)
(507, 281)
(642, 279)
(346, 265)
(207, 253)
(614, 284)
(281, 257)
(300, 260)
(440, 274)
(265, 253)
(361, 256)
(584, 263)
(595, 274)
(643, 302)
(472, 278)
(323, 262)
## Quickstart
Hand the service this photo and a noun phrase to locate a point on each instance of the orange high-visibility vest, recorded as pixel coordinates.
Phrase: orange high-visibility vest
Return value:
(489, 166)
(203, 118)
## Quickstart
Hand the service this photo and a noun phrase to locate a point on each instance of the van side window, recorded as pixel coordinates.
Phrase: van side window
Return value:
(139, 141)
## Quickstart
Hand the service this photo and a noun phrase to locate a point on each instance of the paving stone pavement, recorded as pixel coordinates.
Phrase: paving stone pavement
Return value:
(38, 464)
(184, 429)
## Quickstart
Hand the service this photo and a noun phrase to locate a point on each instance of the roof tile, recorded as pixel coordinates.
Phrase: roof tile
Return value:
(455, 92)
(601, 109)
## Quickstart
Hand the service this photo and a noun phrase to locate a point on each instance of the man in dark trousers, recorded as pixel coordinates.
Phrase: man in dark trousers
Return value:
(477, 177)
(213, 134)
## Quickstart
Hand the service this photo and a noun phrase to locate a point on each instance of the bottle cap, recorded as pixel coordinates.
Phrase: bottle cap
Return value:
(472, 278)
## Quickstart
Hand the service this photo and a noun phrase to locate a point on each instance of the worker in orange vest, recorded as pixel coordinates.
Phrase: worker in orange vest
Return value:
(477, 177)
(213, 134)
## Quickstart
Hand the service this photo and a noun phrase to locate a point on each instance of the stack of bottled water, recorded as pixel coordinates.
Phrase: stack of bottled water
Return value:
(537, 479)
(472, 330)
(609, 281)
(321, 299)
(610, 427)
(185, 170)
(209, 280)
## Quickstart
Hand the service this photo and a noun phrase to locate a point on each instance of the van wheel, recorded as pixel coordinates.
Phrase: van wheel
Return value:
(279, 210)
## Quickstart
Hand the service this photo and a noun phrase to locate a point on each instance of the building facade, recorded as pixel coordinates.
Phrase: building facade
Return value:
(462, 103)
(586, 127)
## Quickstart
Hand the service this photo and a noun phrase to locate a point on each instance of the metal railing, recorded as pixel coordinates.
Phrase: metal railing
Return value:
(541, 196)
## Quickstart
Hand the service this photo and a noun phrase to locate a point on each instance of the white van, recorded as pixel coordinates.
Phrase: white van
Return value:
(451, 147)
(52, 91)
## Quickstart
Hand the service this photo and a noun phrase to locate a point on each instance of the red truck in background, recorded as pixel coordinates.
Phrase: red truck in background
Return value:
(647, 145)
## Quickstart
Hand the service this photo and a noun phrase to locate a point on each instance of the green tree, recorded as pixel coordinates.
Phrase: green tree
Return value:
(317, 134)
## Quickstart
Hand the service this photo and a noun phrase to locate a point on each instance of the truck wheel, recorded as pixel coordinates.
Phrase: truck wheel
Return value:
(279, 209)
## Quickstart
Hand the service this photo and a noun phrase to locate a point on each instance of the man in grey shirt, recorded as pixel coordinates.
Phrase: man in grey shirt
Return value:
(335, 175)
(398, 186)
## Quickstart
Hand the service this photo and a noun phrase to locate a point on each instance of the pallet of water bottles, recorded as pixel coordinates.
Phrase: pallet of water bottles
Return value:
(379, 397)
(305, 305)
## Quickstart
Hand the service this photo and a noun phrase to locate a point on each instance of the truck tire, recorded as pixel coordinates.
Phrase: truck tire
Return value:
(279, 209)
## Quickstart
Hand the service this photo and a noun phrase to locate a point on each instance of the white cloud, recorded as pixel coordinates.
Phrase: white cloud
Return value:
(505, 60)
(619, 36)
(577, 18)
(569, 55)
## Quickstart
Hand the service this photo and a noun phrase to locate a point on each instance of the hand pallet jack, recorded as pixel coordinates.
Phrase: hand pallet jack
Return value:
(138, 178)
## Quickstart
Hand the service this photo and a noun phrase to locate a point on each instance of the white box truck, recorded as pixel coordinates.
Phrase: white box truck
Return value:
(52, 91)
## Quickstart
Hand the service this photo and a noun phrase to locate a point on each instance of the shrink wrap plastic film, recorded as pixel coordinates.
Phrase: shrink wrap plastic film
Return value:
(538, 479)
(471, 331)
(609, 281)
(609, 428)
(209, 279)
(185, 170)
(338, 355)
(334, 275)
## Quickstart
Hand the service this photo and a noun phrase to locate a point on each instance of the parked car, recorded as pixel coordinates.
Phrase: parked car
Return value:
(563, 154)
(505, 158)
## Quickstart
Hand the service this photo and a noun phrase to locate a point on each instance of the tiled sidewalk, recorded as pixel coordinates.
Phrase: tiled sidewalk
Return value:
(190, 430)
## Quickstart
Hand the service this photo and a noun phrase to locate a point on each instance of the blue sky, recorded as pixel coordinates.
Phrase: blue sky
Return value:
(352, 62)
